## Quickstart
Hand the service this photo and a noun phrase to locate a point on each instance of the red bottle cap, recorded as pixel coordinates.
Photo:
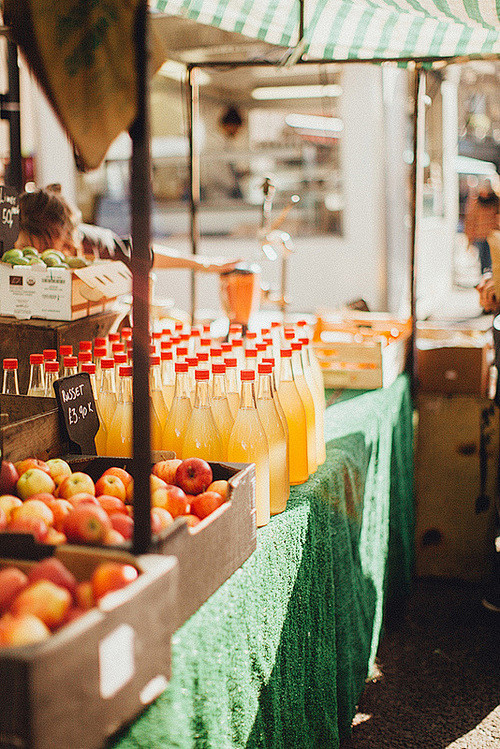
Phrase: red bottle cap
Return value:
(125, 370)
(296, 346)
(181, 351)
(152, 349)
(286, 353)
(203, 356)
(231, 362)
(119, 359)
(265, 369)
(301, 323)
(113, 337)
(206, 327)
(184, 336)
(247, 374)
(192, 361)
(154, 360)
(100, 351)
(237, 342)
(178, 326)
(264, 331)
(166, 332)
(85, 346)
(206, 342)
(166, 356)
(49, 354)
(12, 364)
(166, 345)
(36, 358)
(99, 342)
(251, 336)
(157, 335)
(175, 340)
(107, 363)
(88, 367)
(85, 357)
(305, 341)
(270, 361)
(51, 366)
(275, 324)
(261, 346)
(195, 333)
(201, 374)
(65, 350)
(226, 348)
(216, 351)
(251, 353)
(70, 361)
(235, 327)
(118, 347)
(181, 366)
(218, 369)
(268, 341)
(289, 335)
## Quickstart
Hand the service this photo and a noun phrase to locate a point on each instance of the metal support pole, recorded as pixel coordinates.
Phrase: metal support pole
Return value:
(193, 95)
(140, 202)
(417, 185)
(14, 175)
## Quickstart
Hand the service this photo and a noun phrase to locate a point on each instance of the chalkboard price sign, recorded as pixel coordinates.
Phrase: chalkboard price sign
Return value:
(78, 411)
(9, 217)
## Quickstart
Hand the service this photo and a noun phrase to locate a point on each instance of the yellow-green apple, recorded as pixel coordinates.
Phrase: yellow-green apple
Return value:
(109, 576)
(34, 481)
(112, 486)
(112, 504)
(123, 524)
(34, 508)
(193, 475)
(160, 519)
(54, 570)
(24, 465)
(156, 483)
(8, 503)
(55, 537)
(192, 520)
(59, 469)
(82, 498)
(166, 470)
(87, 523)
(205, 503)
(120, 473)
(172, 499)
(8, 477)
(113, 538)
(85, 595)
(33, 526)
(12, 582)
(221, 487)
(44, 599)
(24, 629)
(77, 483)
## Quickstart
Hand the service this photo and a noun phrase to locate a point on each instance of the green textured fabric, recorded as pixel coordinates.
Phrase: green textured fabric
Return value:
(278, 656)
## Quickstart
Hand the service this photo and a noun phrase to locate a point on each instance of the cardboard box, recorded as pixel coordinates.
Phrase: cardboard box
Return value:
(98, 672)
(60, 293)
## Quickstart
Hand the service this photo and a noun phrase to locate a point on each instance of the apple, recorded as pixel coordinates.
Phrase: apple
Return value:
(44, 599)
(9, 477)
(192, 520)
(54, 570)
(172, 499)
(82, 498)
(156, 483)
(111, 486)
(221, 487)
(34, 481)
(33, 508)
(204, 504)
(12, 582)
(166, 470)
(77, 483)
(60, 508)
(193, 475)
(88, 523)
(113, 538)
(109, 576)
(24, 465)
(123, 524)
(24, 629)
(8, 502)
(34, 526)
(54, 538)
(3, 520)
(160, 519)
(59, 469)
(120, 473)
(130, 492)
(112, 504)
(85, 595)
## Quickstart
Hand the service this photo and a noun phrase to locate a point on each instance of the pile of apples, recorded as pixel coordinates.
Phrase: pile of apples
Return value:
(55, 505)
(34, 605)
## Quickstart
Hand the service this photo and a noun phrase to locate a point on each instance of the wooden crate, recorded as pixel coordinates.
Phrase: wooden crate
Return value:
(28, 430)
(97, 673)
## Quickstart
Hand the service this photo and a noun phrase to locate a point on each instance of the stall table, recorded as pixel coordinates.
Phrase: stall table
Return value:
(278, 656)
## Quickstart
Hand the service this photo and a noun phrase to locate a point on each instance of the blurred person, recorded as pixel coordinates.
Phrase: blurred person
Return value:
(481, 218)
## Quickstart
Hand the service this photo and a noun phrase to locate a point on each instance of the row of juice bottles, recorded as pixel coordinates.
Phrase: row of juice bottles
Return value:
(233, 401)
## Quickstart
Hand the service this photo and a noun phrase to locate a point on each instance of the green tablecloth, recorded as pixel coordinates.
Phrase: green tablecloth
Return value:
(278, 656)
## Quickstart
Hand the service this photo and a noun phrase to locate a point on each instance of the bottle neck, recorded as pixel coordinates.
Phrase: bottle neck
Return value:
(68, 371)
(219, 386)
(202, 396)
(155, 377)
(232, 380)
(247, 399)
(10, 382)
(182, 389)
(286, 369)
(297, 364)
(108, 381)
(126, 389)
(167, 372)
(265, 387)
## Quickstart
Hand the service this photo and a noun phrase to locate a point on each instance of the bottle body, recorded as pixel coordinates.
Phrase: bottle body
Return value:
(220, 407)
(119, 439)
(297, 427)
(307, 400)
(179, 414)
(202, 438)
(36, 386)
(279, 487)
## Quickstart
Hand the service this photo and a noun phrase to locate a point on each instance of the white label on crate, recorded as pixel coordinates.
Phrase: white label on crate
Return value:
(116, 660)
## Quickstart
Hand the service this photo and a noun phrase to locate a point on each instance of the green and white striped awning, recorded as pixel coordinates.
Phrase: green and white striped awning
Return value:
(357, 29)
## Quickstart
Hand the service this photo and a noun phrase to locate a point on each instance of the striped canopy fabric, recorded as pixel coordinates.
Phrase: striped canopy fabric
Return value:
(357, 29)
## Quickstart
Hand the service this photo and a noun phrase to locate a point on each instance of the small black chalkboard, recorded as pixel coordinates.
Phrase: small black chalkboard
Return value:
(78, 411)
(9, 217)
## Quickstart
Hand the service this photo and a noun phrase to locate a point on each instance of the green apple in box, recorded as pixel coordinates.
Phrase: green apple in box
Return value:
(12, 256)
(30, 252)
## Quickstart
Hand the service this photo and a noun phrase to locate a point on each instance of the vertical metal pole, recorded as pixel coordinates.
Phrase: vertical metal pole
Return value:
(140, 202)
(417, 184)
(193, 108)
(14, 176)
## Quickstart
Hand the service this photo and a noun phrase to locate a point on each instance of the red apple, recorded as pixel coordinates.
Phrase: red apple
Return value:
(109, 576)
(34, 481)
(12, 582)
(34, 526)
(85, 595)
(120, 473)
(112, 504)
(193, 475)
(87, 523)
(24, 465)
(166, 470)
(221, 487)
(204, 504)
(172, 499)
(111, 486)
(113, 538)
(54, 570)
(123, 524)
(83, 498)
(7, 504)
(33, 508)
(59, 469)
(9, 477)
(160, 519)
(77, 483)
(44, 599)
(192, 520)
(60, 508)
(24, 629)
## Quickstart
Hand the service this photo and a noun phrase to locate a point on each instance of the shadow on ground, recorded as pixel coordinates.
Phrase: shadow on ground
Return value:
(439, 676)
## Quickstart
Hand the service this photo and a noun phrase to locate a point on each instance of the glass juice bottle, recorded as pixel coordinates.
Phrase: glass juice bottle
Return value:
(51, 375)
(319, 402)
(179, 413)
(106, 404)
(36, 384)
(277, 402)
(119, 441)
(220, 405)
(10, 381)
(70, 366)
(202, 438)
(192, 362)
(167, 377)
(279, 487)
(99, 353)
(232, 387)
(64, 350)
(307, 400)
(89, 368)
(159, 411)
(293, 407)
(248, 444)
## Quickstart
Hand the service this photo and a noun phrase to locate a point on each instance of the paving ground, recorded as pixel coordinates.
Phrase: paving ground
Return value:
(438, 676)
